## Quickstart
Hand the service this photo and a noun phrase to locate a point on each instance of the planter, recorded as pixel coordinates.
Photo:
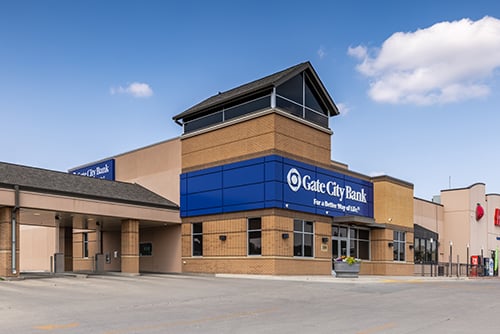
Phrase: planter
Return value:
(344, 269)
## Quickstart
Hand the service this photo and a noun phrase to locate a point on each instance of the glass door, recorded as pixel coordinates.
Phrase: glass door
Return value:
(339, 242)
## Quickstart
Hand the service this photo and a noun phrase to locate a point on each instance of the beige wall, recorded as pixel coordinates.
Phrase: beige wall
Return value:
(112, 244)
(429, 215)
(493, 202)
(166, 243)
(461, 226)
(156, 167)
(38, 245)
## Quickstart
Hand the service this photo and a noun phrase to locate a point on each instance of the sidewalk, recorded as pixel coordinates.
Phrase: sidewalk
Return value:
(362, 279)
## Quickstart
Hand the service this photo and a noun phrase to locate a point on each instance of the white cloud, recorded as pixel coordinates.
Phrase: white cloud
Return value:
(359, 52)
(343, 108)
(445, 63)
(136, 89)
(321, 52)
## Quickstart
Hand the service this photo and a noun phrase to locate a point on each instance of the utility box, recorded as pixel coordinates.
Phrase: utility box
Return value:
(59, 262)
(99, 262)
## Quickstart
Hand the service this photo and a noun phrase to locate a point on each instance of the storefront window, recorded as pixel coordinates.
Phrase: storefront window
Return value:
(254, 236)
(425, 250)
(399, 244)
(197, 237)
(350, 241)
(303, 238)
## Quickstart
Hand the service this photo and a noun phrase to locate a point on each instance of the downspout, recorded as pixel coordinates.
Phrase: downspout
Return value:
(14, 228)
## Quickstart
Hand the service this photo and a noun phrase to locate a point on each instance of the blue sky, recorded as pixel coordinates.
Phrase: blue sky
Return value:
(417, 82)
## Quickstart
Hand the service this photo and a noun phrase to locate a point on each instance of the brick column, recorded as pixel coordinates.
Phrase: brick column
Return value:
(130, 246)
(6, 243)
(68, 248)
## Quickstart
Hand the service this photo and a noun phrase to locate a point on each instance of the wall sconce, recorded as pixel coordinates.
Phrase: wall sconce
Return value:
(222, 237)
(324, 240)
(411, 247)
(390, 244)
(284, 235)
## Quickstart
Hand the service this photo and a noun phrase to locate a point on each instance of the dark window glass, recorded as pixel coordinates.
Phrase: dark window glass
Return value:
(203, 122)
(247, 108)
(356, 243)
(418, 257)
(290, 107)
(312, 100)
(303, 238)
(353, 249)
(364, 250)
(197, 228)
(254, 236)
(316, 118)
(297, 244)
(364, 234)
(297, 225)
(254, 224)
(308, 244)
(145, 249)
(399, 246)
(335, 249)
(292, 89)
(85, 244)
(197, 239)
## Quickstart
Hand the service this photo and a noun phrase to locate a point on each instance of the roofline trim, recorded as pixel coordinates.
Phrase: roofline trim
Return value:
(84, 196)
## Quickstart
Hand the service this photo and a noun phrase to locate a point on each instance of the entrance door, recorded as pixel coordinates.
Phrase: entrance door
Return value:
(339, 242)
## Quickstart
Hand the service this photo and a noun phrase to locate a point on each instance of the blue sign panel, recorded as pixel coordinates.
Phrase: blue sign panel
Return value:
(274, 182)
(101, 170)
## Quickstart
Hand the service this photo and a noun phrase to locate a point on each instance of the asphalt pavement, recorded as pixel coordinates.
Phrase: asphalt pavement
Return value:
(116, 304)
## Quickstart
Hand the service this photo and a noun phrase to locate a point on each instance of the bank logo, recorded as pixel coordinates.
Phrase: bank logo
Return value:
(294, 179)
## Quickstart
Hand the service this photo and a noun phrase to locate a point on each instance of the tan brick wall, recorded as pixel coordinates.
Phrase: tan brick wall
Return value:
(393, 202)
(254, 137)
(386, 268)
(6, 243)
(312, 144)
(130, 246)
(259, 266)
(230, 256)
(79, 262)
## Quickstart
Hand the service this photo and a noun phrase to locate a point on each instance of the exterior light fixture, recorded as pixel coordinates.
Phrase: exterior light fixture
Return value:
(284, 236)
(222, 237)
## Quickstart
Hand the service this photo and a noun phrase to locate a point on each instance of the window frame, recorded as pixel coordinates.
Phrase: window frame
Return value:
(399, 246)
(198, 234)
(85, 245)
(303, 234)
(254, 231)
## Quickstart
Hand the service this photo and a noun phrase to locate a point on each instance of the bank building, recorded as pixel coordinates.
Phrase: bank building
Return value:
(249, 187)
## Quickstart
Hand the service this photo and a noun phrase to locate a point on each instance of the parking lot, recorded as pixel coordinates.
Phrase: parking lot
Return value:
(207, 304)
